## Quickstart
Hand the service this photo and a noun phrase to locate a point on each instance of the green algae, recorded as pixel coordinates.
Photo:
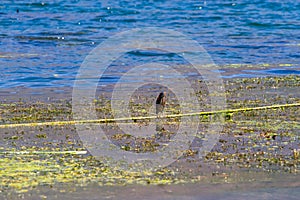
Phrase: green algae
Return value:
(27, 172)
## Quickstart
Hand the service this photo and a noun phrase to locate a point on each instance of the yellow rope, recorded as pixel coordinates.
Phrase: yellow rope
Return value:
(72, 122)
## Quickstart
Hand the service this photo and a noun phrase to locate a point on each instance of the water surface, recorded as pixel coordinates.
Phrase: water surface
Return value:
(43, 43)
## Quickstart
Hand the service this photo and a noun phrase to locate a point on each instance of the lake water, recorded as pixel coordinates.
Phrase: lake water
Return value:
(43, 43)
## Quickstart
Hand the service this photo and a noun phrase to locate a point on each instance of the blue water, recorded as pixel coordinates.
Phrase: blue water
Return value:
(45, 42)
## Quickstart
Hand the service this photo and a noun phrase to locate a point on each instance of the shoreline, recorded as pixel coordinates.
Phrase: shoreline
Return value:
(228, 72)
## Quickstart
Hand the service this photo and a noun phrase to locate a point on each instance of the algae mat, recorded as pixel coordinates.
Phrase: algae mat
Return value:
(254, 146)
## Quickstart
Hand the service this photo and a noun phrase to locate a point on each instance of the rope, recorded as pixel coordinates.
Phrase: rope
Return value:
(73, 122)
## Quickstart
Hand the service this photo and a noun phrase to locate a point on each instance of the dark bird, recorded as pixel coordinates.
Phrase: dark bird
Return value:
(161, 102)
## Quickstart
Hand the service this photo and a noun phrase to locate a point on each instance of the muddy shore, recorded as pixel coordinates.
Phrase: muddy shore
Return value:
(253, 147)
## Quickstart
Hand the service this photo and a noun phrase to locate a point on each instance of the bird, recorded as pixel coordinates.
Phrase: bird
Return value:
(161, 102)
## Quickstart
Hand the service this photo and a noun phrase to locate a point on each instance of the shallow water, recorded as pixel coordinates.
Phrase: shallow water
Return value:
(45, 42)
(278, 189)
(247, 73)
